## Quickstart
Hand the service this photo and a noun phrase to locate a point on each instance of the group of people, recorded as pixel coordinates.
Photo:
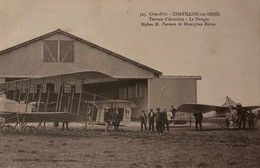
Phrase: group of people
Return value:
(240, 115)
(160, 117)
(112, 118)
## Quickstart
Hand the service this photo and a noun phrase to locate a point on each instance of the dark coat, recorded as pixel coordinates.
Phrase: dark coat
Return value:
(159, 117)
(164, 116)
(198, 116)
(107, 116)
(143, 118)
(116, 117)
(173, 110)
(251, 116)
(151, 116)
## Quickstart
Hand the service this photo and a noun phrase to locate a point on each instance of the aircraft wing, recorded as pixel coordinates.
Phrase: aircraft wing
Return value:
(115, 104)
(203, 108)
(41, 116)
(250, 107)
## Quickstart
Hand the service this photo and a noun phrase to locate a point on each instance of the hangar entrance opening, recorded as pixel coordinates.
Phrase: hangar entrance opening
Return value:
(76, 93)
(134, 90)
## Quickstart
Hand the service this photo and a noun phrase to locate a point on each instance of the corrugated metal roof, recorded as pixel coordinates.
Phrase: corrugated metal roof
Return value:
(83, 41)
(181, 77)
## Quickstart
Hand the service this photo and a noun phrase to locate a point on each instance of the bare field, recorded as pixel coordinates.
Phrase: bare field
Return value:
(182, 147)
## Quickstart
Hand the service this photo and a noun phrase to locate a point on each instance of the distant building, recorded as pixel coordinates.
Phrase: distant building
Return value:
(59, 52)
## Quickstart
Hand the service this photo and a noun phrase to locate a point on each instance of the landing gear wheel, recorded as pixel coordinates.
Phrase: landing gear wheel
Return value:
(30, 130)
(224, 125)
(8, 129)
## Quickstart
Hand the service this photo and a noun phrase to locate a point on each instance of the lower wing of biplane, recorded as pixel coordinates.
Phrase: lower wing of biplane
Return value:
(22, 118)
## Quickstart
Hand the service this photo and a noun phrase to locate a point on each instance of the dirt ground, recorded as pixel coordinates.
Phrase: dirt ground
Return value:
(129, 147)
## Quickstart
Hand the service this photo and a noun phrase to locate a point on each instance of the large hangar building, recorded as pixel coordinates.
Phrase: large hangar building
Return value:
(59, 52)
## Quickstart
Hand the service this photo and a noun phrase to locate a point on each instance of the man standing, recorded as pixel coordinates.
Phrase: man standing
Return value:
(251, 118)
(229, 118)
(242, 119)
(198, 118)
(165, 120)
(151, 116)
(107, 119)
(241, 115)
(173, 111)
(65, 123)
(143, 120)
(116, 119)
(158, 121)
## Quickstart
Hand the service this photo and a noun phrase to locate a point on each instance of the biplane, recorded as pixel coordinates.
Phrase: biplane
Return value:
(49, 99)
(124, 107)
(217, 111)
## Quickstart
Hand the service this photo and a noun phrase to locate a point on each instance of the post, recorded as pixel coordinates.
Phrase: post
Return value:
(27, 96)
(68, 105)
(14, 94)
(80, 96)
(62, 89)
(113, 113)
(92, 110)
(58, 97)
(87, 110)
(33, 92)
(94, 99)
(7, 94)
(47, 101)
(100, 112)
(40, 95)
(72, 98)
(21, 89)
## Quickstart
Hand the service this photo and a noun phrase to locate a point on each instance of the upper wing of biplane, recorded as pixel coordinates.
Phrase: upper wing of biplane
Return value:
(192, 108)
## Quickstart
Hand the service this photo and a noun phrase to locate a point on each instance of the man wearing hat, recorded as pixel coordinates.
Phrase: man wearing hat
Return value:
(198, 117)
(251, 118)
(165, 122)
(242, 117)
(158, 116)
(107, 118)
(151, 117)
(143, 119)
(173, 111)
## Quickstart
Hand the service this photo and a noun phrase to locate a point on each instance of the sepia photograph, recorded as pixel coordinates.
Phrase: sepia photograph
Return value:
(127, 83)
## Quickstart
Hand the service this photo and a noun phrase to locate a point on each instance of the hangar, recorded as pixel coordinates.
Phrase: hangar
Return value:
(60, 52)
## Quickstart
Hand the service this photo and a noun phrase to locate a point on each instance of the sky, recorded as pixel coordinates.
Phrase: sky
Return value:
(226, 56)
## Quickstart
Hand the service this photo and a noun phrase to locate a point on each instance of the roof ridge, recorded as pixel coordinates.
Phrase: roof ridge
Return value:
(83, 41)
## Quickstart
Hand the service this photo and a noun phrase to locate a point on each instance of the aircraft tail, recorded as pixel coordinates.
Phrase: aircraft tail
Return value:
(229, 102)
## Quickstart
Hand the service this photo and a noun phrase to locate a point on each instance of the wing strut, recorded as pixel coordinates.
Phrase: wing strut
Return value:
(72, 98)
(27, 96)
(61, 95)
(40, 95)
(58, 97)
(80, 96)
(47, 101)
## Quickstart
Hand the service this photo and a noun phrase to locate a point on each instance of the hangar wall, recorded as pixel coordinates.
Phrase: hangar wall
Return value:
(165, 92)
(27, 61)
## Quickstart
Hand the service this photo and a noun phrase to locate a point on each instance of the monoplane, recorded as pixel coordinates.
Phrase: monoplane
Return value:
(217, 111)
